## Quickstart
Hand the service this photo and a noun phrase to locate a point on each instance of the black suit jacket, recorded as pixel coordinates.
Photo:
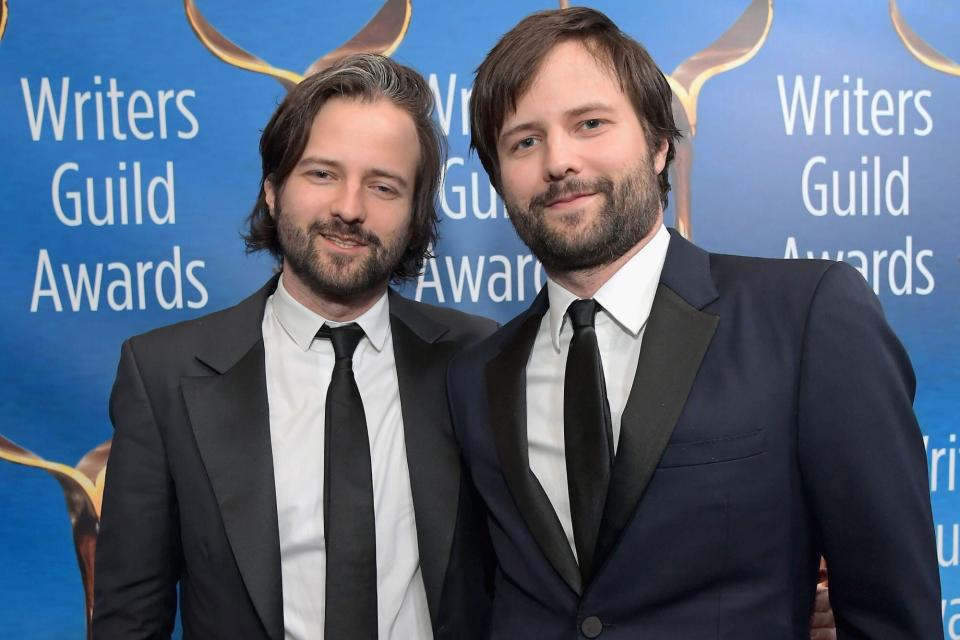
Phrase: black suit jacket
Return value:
(190, 496)
(769, 422)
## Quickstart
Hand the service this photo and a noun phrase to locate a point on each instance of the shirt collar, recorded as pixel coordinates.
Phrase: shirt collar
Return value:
(302, 324)
(626, 297)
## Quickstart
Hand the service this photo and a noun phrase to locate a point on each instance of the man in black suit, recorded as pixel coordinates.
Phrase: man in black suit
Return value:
(289, 462)
(688, 488)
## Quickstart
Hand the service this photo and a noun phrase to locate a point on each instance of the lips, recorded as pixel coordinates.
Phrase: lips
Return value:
(344, 242)
(570, 197)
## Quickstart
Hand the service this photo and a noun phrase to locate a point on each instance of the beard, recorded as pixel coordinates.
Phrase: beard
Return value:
(630, 209)
(331, 275)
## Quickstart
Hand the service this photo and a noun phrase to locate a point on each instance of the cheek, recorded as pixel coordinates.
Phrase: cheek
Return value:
(516, 187)
(617, 155)
(291, 200)
(627, 152)
(394, 222)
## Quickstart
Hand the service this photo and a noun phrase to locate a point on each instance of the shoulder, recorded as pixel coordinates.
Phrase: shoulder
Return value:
(769, 271)
(786, 281)
(473, 360)
(747, 282)
(461, 324)
(456, 326)
(239, 323)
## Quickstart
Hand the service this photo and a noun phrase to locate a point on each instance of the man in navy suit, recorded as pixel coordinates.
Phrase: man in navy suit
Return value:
(668, 440)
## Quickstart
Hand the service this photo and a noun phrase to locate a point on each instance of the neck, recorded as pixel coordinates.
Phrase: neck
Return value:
(332, 307)
(584, 283)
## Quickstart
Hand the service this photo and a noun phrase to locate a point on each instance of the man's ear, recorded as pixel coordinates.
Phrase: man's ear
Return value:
(270, 195)
(660, 157)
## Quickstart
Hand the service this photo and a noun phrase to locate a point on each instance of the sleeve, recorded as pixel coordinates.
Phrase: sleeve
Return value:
(138, 554)
(864, 467)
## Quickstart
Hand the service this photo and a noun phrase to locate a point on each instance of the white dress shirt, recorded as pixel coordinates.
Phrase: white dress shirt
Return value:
(298, 369)
(626, 299)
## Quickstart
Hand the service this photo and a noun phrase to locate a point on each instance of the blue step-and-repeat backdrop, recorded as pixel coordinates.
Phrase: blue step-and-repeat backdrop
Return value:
(824, 128)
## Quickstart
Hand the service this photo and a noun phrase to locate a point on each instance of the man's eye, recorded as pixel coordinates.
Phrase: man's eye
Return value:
(592, 123)
(526, 143)
(385, 189)
(320, 173)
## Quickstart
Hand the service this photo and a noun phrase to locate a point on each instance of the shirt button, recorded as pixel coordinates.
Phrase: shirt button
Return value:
(591, 627)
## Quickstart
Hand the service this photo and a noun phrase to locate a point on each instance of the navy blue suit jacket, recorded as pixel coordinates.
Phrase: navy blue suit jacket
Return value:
(770, 422)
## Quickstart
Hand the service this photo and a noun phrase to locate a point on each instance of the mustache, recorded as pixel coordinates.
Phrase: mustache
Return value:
(571, 186)
(341, 229)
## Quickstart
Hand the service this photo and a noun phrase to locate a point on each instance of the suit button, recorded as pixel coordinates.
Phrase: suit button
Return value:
(591, 627)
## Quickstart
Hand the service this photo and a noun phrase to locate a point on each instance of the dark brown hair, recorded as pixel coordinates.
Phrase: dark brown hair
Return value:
(511, 66)
(367, 77)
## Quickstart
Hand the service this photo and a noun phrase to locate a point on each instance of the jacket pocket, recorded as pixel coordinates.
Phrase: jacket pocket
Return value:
(725, 449)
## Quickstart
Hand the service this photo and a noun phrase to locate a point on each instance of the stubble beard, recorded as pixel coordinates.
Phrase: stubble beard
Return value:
(630, 209)
(334, 276)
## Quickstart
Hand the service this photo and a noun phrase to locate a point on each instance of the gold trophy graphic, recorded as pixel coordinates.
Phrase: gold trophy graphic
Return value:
(919, 48)
(83, 485)
(382, 34)
(735, 47)
(3, 17)
(83, 489)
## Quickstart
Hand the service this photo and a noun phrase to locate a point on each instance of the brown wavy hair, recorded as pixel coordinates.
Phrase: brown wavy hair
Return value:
(511, 67)
(367, 77)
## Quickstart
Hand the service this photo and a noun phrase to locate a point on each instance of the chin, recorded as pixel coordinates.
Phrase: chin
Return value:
(577, 219)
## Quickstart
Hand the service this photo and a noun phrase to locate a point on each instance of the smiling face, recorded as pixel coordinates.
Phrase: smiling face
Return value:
(343, 214)
(577, 173)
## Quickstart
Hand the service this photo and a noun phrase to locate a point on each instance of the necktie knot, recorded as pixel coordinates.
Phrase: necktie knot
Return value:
(344, 338)
(582, 313)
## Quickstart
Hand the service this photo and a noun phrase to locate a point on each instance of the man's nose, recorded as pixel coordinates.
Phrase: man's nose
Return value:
(560, 158)
(349, 204)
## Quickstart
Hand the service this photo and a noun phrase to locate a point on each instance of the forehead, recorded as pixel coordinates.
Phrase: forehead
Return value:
(568, 74)
(364, 133)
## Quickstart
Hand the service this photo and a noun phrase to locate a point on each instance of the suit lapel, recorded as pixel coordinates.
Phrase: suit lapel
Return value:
(675, 341)
(231, 423)
(506, 389)
(432, 455)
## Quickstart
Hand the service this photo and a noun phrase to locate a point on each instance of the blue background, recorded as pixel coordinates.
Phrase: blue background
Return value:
(57, 367)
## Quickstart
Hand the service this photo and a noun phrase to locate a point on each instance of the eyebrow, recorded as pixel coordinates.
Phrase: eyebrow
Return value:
(569, 113)
(381, 173)
(377, 172)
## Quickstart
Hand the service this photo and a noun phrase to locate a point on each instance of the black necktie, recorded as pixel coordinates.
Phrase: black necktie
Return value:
(586, 429)
(351, 591)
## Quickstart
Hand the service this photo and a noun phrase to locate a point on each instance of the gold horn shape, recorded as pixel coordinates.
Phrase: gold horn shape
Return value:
(382, 34)
(4, 10)
(918, 47)
(83, 489)
(736, 46)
